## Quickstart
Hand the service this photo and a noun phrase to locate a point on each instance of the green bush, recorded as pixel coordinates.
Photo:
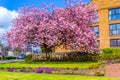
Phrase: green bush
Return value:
(68, 56)
(28, 57)
(8, 57)
(110, 54)
(107, 54)
(82, 56)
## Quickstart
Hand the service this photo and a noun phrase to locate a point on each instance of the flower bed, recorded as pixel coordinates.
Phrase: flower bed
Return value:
(91, 71)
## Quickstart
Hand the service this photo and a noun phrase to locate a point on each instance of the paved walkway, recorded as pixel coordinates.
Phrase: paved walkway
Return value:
(9, 61)
(112, 70)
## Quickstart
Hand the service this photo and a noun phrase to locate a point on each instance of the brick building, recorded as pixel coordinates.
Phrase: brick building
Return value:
(108, 25)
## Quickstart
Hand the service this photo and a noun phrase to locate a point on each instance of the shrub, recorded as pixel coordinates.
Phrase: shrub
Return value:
(28, 57)
(68, 56)
(8, 57)
(110, 54)
(82, 56)
(1, 67)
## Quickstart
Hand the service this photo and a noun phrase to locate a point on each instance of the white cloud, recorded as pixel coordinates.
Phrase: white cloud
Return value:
(6, 16)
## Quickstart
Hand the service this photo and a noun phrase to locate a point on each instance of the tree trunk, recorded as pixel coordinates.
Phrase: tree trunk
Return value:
(47, 56)
(46, 51)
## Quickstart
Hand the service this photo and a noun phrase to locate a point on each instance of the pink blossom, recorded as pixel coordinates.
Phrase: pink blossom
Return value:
(67, 26)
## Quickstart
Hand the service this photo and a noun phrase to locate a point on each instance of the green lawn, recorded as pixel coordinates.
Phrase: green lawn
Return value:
(51, 64)
(30, 76)
(27, 76)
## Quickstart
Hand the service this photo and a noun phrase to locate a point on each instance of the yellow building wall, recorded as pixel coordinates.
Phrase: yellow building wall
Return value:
(62, 49)
(104, 22)
(65, 49)
(104, 29)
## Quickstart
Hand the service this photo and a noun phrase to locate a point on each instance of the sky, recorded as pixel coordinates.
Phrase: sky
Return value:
(8, 10)
(16, 4)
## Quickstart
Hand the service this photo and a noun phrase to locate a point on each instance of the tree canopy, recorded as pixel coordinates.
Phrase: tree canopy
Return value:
(69, 26)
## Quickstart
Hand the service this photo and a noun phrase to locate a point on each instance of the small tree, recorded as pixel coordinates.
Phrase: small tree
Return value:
(67, 26)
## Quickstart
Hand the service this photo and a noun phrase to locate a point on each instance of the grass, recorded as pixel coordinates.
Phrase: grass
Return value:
(27, 76)
(33, 76)
(51, 64)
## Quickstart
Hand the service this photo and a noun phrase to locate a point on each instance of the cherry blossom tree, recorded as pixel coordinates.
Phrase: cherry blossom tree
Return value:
(69, 26)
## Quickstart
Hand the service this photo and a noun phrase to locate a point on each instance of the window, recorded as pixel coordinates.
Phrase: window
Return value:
(96, 30)
(96, 20)
(115, 29)
(114, 14)
(115, 43)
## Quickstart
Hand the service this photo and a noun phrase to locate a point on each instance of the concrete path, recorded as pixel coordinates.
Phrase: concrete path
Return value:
(112, 70)
(9, 61)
